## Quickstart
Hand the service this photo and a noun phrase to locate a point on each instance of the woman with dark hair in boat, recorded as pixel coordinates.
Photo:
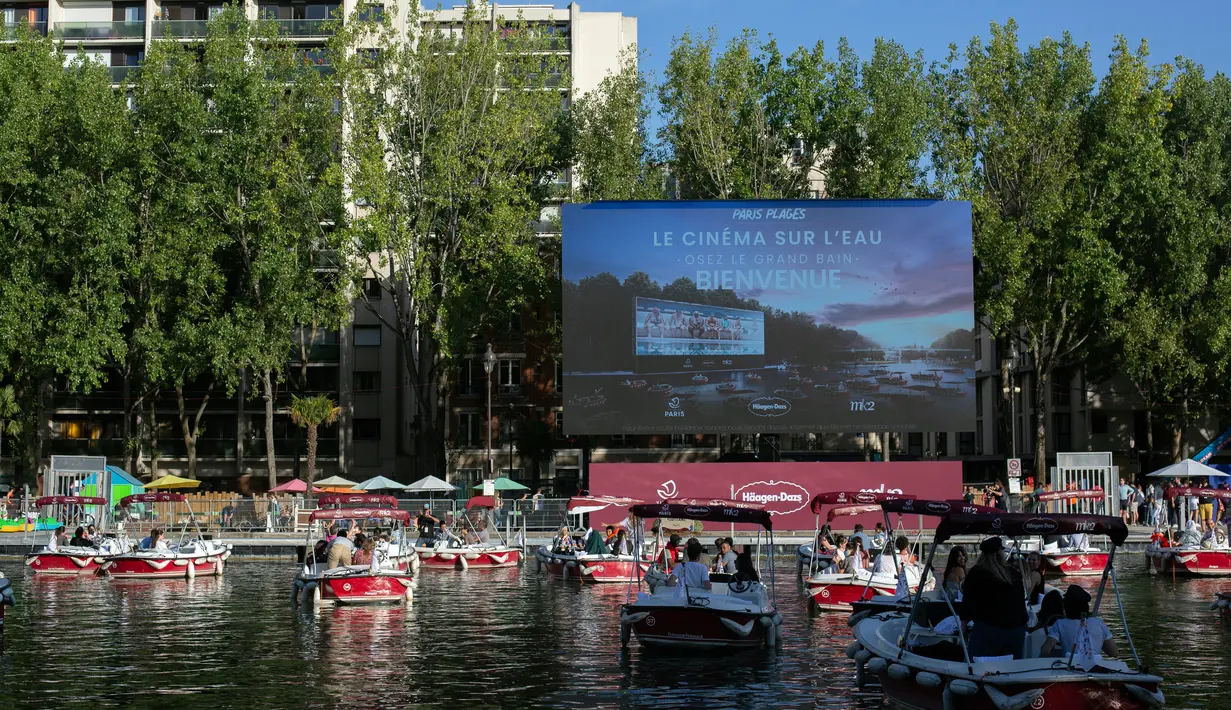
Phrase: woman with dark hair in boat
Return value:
(879, 536)
(79, 539)
(955, 573)
(363, 550)
(620, 545)
(1050, 609)
(1078, 634)
(839, 552)
(824, 541)
(1035, 574)
(888, 562)
(692, 574)
(745, 570)
(993, 598)
(857, 557)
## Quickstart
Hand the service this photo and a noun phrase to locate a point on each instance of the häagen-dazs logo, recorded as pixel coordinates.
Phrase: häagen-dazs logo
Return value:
(865, 497)
(778, 497)
(937, 506)
(697, 510)
(769, 406)
(1040, 526)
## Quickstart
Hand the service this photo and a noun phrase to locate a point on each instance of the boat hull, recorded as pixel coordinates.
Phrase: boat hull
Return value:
(1055, 696)
(1090, 563)
(598, 571)
(65, 563)
(698, 628)
(1191, 562)
(468, 559)
(839, 593)
(366, 589)
(146, 565)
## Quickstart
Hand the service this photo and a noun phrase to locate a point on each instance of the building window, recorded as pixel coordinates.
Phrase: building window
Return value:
(72, 430)
(470, 429)
(467, 373)
(510, 376)
(966, 443)
(371, 13)
(367, 336)
(978, 348)
(978, 399)
(372, 289)
(1098, 422)
(979, 437)
(560, 424)
(559, 376)
(515, 321)
(942, 444)
(367, 430)
(1063, 424)
(680, 441)
(367, 381)
(1061, 392)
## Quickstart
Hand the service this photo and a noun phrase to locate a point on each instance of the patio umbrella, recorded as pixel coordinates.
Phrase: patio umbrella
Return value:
(170, 481)
(1186, 469)
(295, 485)
(506, 484)
(431, 484)
(379, 483)
(335, 481)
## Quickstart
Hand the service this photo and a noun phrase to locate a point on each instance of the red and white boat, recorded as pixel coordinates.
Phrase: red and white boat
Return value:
(63, 559)
(1194, 556)
(457, 554)
(730, 616)
(400, 552)
(380, 581)
(1078, 558)
(593, 567)
(190, 557)
(892, 647)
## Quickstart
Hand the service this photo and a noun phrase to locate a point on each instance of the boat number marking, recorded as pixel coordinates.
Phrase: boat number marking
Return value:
(650, 620)
(1038, 703)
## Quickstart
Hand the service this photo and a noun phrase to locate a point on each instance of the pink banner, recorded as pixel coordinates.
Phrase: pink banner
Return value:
(784, 489)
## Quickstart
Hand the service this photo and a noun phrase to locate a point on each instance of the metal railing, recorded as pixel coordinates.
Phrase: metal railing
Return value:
(305, 28)
(180, 28)
(100, 30)
(13, 31)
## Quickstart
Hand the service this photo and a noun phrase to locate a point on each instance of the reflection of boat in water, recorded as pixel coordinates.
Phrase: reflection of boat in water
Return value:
(896, 380)
(795, 378)
(735, 402)
(699, 379)
(790, 393)
(726, 387)
(597, 399)
(826, 390)
(820, 368)
(954, 371)
(946, 391)
(862, 386)
(752, 377)
(878, 371)
(925, 377)
(660, 388)
(806, 381)
(635, 384)
(848, 372)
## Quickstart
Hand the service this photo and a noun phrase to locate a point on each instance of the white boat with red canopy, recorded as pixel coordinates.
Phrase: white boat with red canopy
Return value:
(1197, 554)
(1074, 557)
(400, 550)
(901, 650)
(474, 548)
(593, 561)
(733, 614)
(379, 581)
(192, 556)
(71, 560)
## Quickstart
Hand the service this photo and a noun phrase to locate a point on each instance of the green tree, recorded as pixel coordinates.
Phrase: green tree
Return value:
(453, 139)
(65, 214)
(10, 415)
(613, 155)
(311, 413)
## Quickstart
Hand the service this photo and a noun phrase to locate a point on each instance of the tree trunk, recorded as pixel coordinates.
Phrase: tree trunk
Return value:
(155, 453)
(190, 427)
(886, 444)
(311, 459)
(139, 426)
(267, 392)
(1041, 379)
(1177, 436)
(1149, 455)
(127, 425)
(1007, 423)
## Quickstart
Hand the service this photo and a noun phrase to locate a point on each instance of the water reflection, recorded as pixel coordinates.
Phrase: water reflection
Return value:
(486, 638)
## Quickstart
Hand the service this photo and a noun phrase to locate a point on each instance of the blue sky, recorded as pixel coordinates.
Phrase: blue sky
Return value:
(911, 288)
(1193, 28)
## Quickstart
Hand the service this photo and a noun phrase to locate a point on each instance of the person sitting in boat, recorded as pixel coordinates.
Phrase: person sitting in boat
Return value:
(320, 552)
(888, 563)
(594, 544)
(1077, 541)
(705, 558)
(620, 545)
(692, 573)
(1050, 610)
(745, 569)
(562, 543)
(341, 550)
(670, 555)
(824, 541)
(840, 551)
(856, 558)
(1191, 536)
(1078, 634)
(445, 537)
(862, 537)
(955, 573)
(79, 539)
(1035, 574)
(992, 598)
(724, 562)
(91, 534)
(482, 536)
(879, 537)
(609, 535)
(363, 555)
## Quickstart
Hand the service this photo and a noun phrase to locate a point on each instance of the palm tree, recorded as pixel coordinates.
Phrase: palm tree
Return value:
(9, 411)
(311, 413)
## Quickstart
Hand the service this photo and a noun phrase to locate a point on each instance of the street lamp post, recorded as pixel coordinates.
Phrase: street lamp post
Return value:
(489, 364)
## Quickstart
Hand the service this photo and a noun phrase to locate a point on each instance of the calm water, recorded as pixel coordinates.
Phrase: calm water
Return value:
(504, 638)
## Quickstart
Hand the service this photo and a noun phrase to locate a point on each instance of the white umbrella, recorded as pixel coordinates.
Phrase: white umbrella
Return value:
(334, 481)
(380, 483)
(430, 484)
(1186, 469)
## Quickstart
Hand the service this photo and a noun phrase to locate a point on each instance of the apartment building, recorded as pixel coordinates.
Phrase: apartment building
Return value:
(360, 364)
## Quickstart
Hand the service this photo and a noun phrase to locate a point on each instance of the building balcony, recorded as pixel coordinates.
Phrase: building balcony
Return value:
(304, 29)
(119, 74)
(96, 31)
(180, 29)
(13, 31)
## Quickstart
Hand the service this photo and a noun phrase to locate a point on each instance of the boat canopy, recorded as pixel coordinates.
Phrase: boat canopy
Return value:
(481, 502)
(69, 500)
(1223, 493)
(853, 498)
(153, 498)
(358, 499)
(1065, 495)
(1026, 525)
(592, 504)
(359, 514)
(935, 507)
(714, 511)
(852, 510)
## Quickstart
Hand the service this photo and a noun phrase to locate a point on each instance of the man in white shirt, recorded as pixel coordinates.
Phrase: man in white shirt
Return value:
(692, 573)
(1086, 638)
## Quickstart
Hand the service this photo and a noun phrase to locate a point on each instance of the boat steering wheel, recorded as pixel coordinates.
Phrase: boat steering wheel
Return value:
(740, 586)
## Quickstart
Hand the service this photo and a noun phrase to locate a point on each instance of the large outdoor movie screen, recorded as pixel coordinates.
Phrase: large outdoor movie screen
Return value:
(792, 316)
